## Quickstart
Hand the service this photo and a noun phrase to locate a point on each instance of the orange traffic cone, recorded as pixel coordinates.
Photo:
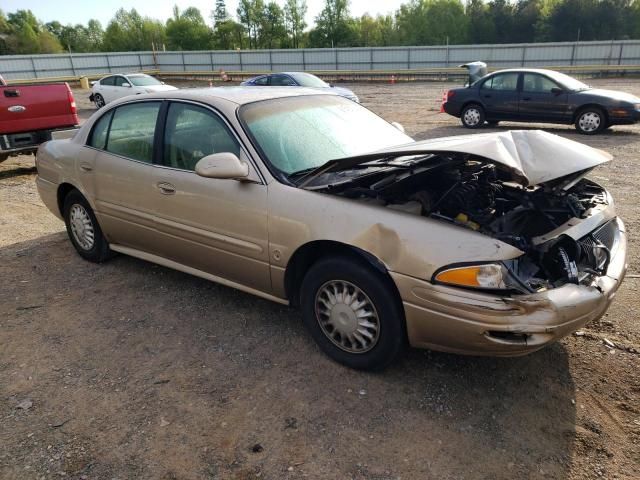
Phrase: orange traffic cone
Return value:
(393, 79)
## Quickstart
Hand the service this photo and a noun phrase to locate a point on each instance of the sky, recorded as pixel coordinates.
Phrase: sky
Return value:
(76, 11)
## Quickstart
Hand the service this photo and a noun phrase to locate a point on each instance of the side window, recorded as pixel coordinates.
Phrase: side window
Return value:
(120, 81)
(281, 81)
(502, 81)
(262, 81)
(534, 83)
(108, 82)
(98, 138)
(132, 131)
(194, 132)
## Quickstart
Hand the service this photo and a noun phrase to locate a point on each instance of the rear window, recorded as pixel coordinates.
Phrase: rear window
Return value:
(502, 81)
(109, 81)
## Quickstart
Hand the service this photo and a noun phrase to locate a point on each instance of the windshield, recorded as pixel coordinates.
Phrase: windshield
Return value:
(301, 133)
(308, 80)
(143, 80)
(566, 81)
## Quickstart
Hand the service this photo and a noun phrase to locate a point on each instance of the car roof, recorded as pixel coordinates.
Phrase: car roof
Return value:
(525, 70)
(240, 95)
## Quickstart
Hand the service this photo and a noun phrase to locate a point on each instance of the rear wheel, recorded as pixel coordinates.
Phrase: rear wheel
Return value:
(99, 101)
(590, 121)
(472, 116)
(353, 313)
(83, 229)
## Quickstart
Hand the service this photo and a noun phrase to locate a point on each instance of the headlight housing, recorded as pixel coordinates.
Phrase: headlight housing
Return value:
(481, 276)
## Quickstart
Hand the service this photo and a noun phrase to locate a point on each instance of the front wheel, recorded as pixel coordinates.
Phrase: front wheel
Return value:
(83, 229)
(472, 116)
(590, 121)
(353, 313)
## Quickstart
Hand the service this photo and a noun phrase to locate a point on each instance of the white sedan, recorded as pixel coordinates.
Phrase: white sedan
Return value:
(114, 87)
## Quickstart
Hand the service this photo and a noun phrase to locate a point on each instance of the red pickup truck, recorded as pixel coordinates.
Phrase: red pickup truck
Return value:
(30, 113)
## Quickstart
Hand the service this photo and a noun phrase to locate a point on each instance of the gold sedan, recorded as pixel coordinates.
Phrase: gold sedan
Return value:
(488, 244)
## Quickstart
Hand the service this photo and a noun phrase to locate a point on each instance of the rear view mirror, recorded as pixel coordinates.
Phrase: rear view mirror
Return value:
(222, 165)
(557, 90)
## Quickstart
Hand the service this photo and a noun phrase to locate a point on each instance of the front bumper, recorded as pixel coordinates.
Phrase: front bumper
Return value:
(460, 321)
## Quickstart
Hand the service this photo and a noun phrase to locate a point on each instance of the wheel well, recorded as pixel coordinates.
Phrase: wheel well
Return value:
(63, 191)
(590, 105)
(472, 102)
(305, 256)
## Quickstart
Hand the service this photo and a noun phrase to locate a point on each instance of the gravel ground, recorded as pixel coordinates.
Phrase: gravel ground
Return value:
(130, 370)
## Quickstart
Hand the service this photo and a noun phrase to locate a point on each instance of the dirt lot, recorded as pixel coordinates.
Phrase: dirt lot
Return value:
(128, 370)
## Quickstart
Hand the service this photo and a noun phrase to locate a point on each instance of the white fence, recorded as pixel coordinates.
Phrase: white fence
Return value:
(27, 67)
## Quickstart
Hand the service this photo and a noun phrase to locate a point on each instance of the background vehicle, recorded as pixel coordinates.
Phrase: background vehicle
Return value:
(30, 113)
(478, 244)
(298, 79)
(114, 87)
(537, 95)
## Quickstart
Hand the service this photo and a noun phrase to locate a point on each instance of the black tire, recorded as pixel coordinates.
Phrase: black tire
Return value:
(98, 250)
(99, 101)
(591, 121)
(472, 116)
(386, 313)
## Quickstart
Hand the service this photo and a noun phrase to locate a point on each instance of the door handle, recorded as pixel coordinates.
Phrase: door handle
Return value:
(85, 167)
(166, 188)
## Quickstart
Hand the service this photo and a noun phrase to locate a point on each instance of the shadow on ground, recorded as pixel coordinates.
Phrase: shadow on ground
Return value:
(138, 371)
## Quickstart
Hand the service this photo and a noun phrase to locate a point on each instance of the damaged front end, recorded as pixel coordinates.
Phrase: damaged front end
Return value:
(565, 225)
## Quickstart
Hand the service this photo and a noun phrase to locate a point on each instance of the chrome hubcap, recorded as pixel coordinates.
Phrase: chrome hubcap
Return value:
(472, 116)
(81, 226)
(589, 121)
(347, 316)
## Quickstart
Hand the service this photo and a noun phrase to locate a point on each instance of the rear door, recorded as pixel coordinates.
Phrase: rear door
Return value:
(106, 88)
(218, 226)
(539, 102)
(280, 80)
(122, 174)
(499, 94)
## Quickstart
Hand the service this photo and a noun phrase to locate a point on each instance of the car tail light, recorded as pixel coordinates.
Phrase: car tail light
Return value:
(451, 94)
(445, 98)
(72, 101)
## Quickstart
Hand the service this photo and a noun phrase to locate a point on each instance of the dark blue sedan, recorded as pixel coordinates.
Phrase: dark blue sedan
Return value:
(537, 95)
(298, 79)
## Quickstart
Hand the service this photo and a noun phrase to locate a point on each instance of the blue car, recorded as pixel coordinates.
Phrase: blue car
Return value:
(298, 79)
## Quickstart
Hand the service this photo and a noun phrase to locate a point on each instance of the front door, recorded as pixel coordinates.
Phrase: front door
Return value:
(218, 226)
(122, 172)
(543, 99)
(499, 94)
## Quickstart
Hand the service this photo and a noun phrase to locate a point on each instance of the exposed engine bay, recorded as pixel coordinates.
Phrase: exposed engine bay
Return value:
(475, 194)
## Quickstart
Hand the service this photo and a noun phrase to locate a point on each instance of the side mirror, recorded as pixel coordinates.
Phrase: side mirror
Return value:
(557, 90)
(398, 126)
(222, 165)
(125, 84)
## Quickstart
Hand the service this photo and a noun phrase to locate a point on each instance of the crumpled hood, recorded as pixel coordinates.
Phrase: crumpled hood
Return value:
(610, 94)
(534, 156)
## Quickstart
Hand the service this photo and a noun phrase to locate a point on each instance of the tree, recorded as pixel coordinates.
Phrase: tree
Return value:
(251, 16)
(333, 27)
(187, 30)
(128, 31)
(432, 22)
(273, 32)
(294, 13)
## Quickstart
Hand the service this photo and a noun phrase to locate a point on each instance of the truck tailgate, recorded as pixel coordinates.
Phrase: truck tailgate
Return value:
(28, 108)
